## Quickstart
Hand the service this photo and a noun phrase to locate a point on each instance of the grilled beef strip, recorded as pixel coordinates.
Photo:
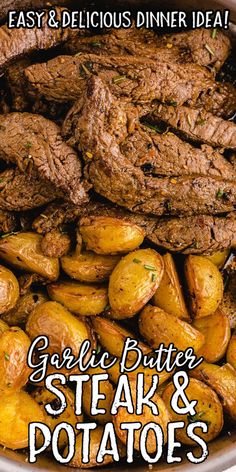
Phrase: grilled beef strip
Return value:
(56, 215)
(8, 221)
(99, 125)
(20, 191)
(220, 100)
(33, 142)
(198, 125)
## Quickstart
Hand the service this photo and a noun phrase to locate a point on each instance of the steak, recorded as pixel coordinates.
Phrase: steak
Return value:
(33, 142)
(20, 191)
(219, 100)
(56, 215)
(65, 78)
(8, 221)
(99, 125)
(18, 85)
(198, 125)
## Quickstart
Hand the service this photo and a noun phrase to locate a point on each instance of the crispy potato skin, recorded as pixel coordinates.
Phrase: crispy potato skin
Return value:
(42, 396)
(205, 284)
(25, 304)
(134, 281)
(219, 258)
(14, 372)
(158, 327)
(223, 381)
(208, 409)
(216, 329)
(107, 235)
(169, 295)
(147, 416)
(81, 299)
(23, 251)
(231, 351)
(112, 337)
(105, 388)
(9, 290)
(88, 266)
(17, 410)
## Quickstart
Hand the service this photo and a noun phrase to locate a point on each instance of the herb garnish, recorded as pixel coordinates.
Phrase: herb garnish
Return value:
(208, 48)
(149, 267)
(219, 193)
(6, 355)
(136, 261)
(118, 79)
(28, 145)
(214, 33)
(154, 128)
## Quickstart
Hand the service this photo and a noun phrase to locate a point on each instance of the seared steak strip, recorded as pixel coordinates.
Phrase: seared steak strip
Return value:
(99, 125)
(65, 78)
(8, 221)
(219, 100)
(20, 191)
(198, 125)
(33, 142)
(56, 215)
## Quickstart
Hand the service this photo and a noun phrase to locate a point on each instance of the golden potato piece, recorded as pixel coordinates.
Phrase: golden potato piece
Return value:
(228, 304)
(114, 373)
(9, 289)
(59, 325)
(123, 416)
(89, 266)
(208, 410)
(219, 258)
(169, 295)
(23, 251)
(108, 235)
(105, 388)
(112, 337)
(17, 410)
(158, 327)
(205, 284)
(222, 380)
(231, 351)
(26, 303)
(14, 371)
(42, 396)
(134, 281)
(216, 329)
(84, 300)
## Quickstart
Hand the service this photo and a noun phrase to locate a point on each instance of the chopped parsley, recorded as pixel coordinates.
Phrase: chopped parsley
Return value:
(6, 355)
(136, 261)
(219, 193)
(214, 33)
(208, 48)
(149, 267)
(28, 145)
(118, 79)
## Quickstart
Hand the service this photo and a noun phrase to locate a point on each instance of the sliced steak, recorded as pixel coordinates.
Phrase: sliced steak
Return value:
(56, 215)
(65, 78)
(8, 221)
(99, 125)
(219, 100)
(33, 142)
(18, 85)
(20, 191)
(198, 125)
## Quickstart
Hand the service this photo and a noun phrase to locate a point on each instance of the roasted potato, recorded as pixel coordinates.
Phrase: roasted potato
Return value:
(205, 285)
(216, 329)
(228, 304)
(208, 410)
(112, 337)
(108, 235)
(14, 371)
(23, 251)
(231, 351)
(114, 373)
(106, 389)
(158, 327)
(84, 300)
(17, 410)
(169, 295)
(42, 396)
(219, 258)
(134, 281)
(61, 327)
(89, 266)
(9, 290)
(123, 416)
(95, 441)
(222, 380)
(19, 314)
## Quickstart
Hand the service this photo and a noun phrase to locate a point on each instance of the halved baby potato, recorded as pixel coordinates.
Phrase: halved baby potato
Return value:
(216, 329)
(169, 295)
(112, 337)
(106, 389)
(9, 290)
(109, 235)
(89, 266)
(157, 327)
(219, 258)
(208, 409)
(25, 304)
(231, 351)
(81, 299)
(134, 281)
(205, 284)
(23, 251)
(14, 371)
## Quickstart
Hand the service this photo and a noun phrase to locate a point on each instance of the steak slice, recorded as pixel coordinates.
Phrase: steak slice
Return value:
(65, 78)
(198, 125)
(17, 84)
(56, 215)
(20, 191)
(8, 221)
(33, 142)
(99, 124)
(219, 100)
